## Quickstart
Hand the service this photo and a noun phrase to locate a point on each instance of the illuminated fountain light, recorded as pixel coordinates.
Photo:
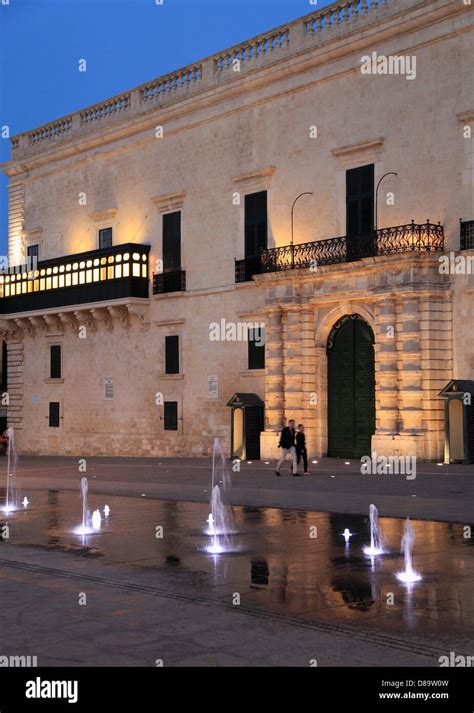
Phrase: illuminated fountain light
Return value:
(215, 548)
(409, 575)
(25, 502)
(106, 511)
(376, 537)
(96, 520)
(347, 534)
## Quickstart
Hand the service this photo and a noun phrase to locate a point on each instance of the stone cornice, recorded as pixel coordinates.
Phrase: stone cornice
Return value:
(101, 215)
(34, 234)
(169, 202)
(168, 322)
(260, 174)
(401, 17)
(359, 147)
(92, 314)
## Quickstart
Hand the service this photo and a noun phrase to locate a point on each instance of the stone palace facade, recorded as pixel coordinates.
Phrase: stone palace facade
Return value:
(169, 284)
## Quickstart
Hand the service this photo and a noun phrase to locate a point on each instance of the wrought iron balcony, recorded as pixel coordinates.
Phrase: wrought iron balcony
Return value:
(93, 276)
(420, 238)
(171, 281)
(244, 269)
(467, 234)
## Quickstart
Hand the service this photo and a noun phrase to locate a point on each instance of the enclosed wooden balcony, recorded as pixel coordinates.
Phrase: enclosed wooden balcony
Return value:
(94, 276)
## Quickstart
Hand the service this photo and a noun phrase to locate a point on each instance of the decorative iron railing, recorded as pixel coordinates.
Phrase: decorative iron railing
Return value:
(414, 237)
(172, 281)
(467, 234)
(244, 269)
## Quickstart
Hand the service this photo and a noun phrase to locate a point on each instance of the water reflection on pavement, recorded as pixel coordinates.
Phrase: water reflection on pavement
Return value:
(287, 561)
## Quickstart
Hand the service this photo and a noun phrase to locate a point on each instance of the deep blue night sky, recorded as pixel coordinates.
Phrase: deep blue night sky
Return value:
(125, 43)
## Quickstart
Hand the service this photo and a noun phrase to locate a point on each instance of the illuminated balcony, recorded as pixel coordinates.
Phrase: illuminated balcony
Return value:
(411, 238)
(107, 274)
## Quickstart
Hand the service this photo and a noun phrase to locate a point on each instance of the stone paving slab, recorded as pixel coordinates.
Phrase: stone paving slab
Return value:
(41, 617)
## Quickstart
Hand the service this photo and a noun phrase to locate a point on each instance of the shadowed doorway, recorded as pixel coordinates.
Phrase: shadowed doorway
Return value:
(351, 388)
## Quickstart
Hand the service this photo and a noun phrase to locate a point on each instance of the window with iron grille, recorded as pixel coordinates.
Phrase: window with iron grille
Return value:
(171, 416)
(54, 414)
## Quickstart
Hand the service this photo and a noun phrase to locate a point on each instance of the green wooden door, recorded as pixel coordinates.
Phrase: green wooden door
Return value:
(351, 388)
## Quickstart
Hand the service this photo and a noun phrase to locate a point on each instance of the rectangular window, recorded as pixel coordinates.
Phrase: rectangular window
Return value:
(360, 200)
(55, 361)
(172, 241)
(105, 238)
(32, 251)
(172, 355)
(54, 414)
(256, 348)
(256, 223)
(171, 415)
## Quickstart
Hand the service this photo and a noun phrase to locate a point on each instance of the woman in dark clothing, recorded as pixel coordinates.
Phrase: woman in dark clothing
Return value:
(301, 448)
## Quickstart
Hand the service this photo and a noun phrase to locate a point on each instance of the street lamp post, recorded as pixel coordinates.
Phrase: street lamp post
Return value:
(306, 193)
(391, 173)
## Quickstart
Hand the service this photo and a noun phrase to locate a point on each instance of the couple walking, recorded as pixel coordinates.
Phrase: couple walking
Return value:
(293, 445)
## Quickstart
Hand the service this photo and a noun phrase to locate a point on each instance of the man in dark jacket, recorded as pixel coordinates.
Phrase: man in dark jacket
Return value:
(301, 448)
(287, 444)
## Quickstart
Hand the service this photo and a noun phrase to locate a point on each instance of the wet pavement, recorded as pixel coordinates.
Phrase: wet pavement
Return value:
(288, 565)
(439, 492)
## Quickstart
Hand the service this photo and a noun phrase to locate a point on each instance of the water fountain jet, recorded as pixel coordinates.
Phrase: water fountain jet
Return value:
(376, 538)
(409, 575)
(11, 495)
(220, 521)
(84, 529)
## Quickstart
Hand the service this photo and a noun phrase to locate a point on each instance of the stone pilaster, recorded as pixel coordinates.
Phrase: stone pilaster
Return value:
(273, 383)
(311, 396)
(319, 441)
(15, 381)
(386, 375)
(292, 363)
(409, 365)
(437, 364)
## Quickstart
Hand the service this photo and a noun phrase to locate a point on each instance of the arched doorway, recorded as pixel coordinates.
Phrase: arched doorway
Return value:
(351, 388)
